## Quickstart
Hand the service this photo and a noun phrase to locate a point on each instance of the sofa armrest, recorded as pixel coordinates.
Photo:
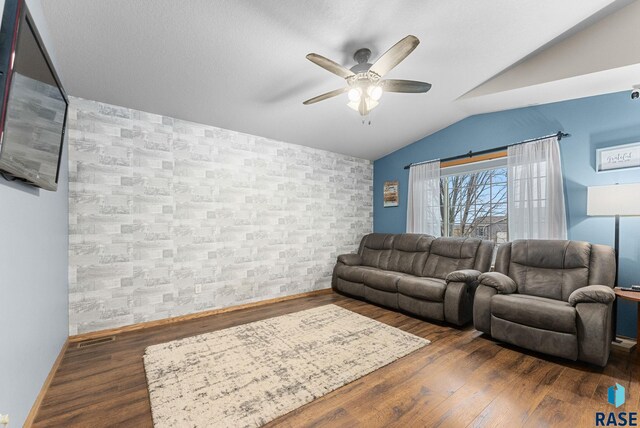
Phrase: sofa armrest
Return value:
(482, 308)
(498, 281)
(594, 322)
(464, 275)
(592, 294)
(350, 259)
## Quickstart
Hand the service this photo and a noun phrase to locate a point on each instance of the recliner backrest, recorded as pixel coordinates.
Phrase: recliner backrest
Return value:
(425, 255)
(451, 254)
(555, 268)
(375, 249)
(484, 256)
(409, 253)
(602, 269)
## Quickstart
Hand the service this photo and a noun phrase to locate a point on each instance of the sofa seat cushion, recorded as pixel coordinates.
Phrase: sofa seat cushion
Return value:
(538, 312)
(424, 288)
(382, 280)
(422, 308)
(556, 343)
(353, 273)
(348, 287)
(387, 299)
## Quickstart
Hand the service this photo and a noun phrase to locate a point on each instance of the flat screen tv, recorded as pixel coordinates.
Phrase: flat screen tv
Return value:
(34, 104)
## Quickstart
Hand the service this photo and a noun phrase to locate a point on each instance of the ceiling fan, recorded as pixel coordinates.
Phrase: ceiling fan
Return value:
(364, 80)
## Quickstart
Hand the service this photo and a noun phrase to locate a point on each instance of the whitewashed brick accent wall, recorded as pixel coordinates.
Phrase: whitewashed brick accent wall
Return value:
(159, 207)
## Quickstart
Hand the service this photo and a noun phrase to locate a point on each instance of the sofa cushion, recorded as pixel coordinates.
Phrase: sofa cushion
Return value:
(484, 256)
(375, 249)
(602, 268)
(549, 268)
(413, 242)
(380, 297)
(352, 288)
(538, 312)
(423, 288)
(409, 253)
(352, 273)
(450, 254)
(407, 262)
(382, 280)
(422, 308)
(556, 343)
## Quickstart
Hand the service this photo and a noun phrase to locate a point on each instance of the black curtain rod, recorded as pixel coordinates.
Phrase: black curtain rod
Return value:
(471, 154)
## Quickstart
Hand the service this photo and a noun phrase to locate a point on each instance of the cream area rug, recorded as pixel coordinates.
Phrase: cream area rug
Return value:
(248, 375)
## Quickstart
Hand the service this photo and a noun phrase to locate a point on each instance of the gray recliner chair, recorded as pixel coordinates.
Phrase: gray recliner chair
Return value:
(549, 296)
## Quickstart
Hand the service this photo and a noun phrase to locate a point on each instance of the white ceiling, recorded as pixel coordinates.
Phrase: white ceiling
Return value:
(240, 64)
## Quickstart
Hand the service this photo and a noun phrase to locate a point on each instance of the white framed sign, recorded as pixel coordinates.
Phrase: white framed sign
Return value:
(618, 158)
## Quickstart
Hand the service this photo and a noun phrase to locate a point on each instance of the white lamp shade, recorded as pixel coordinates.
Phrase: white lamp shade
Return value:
(618, 199)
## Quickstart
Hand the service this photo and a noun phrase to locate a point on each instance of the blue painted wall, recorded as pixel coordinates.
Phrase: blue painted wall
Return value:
(593, 123)
(34, 308)
(34, 316)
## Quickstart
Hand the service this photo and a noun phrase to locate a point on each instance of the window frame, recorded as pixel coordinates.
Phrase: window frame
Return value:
(468, 168)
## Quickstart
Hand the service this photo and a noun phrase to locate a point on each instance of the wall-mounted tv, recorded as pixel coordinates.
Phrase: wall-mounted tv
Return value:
(34, 104)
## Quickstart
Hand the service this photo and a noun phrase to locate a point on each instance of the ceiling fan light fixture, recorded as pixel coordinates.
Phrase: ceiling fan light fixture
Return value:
(374, 92)
(364, 85)
(369, 104)
(354, 95)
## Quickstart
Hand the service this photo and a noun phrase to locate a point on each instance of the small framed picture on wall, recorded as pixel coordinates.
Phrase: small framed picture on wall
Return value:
(391, 194)
(618, 158)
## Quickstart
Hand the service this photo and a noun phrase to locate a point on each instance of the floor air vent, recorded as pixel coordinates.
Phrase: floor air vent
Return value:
(93, 342)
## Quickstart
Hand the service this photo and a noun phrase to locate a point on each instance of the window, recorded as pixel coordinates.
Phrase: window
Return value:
(474, 200)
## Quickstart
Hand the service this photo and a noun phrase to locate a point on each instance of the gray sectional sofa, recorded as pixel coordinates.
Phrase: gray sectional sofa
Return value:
(553, 297)
(420, 274)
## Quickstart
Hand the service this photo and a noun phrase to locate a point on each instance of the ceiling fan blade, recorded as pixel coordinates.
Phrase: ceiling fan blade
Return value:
(326, 95)
(406, 86)
(331, 66)
(395, 55)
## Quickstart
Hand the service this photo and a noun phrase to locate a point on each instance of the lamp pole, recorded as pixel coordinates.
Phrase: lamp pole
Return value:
(616, 247)
(614, 201)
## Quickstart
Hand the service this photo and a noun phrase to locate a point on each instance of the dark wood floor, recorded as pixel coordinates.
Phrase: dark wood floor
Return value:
(461, 379)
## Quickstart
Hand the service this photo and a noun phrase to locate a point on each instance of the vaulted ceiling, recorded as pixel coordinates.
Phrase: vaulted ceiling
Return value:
(240, 64)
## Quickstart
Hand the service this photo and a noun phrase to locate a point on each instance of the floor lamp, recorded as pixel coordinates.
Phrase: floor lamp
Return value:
(614, 201)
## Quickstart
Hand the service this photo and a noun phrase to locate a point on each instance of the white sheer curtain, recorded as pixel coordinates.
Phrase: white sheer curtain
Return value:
(535, 191)
(423, 202)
